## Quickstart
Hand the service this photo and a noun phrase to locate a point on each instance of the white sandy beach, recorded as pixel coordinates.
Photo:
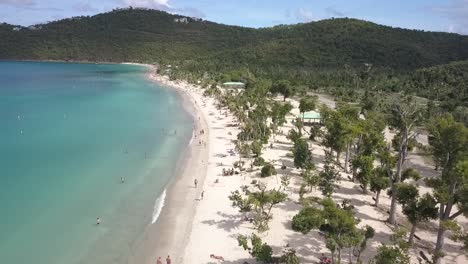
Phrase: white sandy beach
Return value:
(191, 229)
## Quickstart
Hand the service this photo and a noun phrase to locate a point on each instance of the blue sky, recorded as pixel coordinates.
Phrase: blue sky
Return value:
(433, 15)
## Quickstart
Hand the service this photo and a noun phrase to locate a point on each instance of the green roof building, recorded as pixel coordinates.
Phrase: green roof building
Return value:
(236, 85)
(311, 117)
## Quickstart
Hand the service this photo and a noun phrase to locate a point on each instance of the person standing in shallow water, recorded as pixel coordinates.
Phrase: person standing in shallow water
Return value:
(159, 261)
(168, 260)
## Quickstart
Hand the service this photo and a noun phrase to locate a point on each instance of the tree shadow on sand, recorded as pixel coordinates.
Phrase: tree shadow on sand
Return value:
(289, 206)
(228, 223)
(309, 246)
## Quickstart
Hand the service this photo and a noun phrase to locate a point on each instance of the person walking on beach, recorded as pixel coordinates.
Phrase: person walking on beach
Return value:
(196, 183)
(159, 261)
(202, 194)
(168, 260)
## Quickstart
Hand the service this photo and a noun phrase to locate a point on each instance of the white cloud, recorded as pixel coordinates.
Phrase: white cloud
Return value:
(334, 12)
(457, 12)
(451, 29)
(157, 4)
(84, 7)
(164, 5)
(188, 11)
(304, 15)
(17, 2)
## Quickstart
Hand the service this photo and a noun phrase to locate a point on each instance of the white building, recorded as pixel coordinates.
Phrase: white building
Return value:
(181, 20)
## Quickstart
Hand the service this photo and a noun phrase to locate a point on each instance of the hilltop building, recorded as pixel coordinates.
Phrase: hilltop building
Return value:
(183, 20)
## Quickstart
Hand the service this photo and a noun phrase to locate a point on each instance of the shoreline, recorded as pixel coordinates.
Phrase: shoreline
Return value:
(78, 62)
(170, 233)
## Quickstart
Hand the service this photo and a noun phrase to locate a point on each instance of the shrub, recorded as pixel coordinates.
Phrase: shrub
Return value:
(256, 147)
(259, 161)
(302, 154)
(315, 132)
(307, 219)
(290, 257)
(258, 249)
(293, 135)
(391, 255)
(261, 251)
(268, 170)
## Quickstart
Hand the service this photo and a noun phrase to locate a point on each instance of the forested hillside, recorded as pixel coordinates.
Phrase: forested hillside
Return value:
(149, 35)
(335, 53)
(442, 82)
(121, 35)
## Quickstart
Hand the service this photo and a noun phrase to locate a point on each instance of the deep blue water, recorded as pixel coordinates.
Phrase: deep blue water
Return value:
(68, 133)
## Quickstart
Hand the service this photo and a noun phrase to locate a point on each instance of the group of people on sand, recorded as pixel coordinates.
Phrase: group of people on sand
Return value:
(200, 141)
(195, 182)
(168, 260)
(229, 172)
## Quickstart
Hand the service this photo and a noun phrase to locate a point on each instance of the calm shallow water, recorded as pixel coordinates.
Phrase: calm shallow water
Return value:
(68, 133)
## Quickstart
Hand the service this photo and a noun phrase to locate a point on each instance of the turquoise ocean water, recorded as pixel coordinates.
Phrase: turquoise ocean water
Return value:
(68, 133)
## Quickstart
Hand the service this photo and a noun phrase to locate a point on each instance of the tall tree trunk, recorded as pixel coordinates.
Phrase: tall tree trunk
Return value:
(377, 198)
(357, 147)
(444, 215)
(397, 178)
(364, 190)
(358, 259)
(393, 204)
(338, 154)
(439, 245)
(351, 255)
(411, 235)
(348, 146)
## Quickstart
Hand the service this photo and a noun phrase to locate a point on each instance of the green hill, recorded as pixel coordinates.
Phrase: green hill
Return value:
(149, 35)
(333, 53)
(121, 35)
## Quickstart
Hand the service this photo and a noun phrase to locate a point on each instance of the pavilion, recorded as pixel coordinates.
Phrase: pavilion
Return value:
(234, 85)
(311, 117)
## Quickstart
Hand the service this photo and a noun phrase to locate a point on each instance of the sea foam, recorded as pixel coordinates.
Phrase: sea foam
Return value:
(158, 206)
